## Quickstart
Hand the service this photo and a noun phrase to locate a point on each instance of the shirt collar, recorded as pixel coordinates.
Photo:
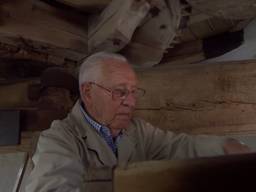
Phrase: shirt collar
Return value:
(89, 120)
(94, 123)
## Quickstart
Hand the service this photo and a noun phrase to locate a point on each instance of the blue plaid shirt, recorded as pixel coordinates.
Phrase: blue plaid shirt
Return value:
(103, 131)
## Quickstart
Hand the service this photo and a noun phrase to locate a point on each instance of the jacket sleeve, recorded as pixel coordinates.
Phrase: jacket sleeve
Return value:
(57, 166)
(160, 144)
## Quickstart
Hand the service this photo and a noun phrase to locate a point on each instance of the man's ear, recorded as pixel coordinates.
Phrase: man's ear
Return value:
(86, 91)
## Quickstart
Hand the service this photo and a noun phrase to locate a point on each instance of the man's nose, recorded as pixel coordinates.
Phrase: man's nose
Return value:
(129, 100)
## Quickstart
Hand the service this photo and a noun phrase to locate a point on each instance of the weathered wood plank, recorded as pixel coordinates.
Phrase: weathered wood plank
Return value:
(224, 173)
(44, 29)
(214, 98)
(113, 29)
(85, 5)
(234, 9)
(201, 98)
(164, 20)
(15, 95)
(68, 21)
(184, 53)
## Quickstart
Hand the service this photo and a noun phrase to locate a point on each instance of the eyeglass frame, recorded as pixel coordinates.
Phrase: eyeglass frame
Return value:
(127, 92)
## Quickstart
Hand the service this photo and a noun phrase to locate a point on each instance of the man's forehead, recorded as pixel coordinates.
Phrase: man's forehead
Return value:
(114, 64)
(125, 85)
(116, 67)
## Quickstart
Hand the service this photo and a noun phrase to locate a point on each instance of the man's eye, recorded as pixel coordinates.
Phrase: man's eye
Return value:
(120, 92)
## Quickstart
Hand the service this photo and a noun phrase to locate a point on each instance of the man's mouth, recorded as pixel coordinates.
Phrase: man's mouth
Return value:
(124, 115)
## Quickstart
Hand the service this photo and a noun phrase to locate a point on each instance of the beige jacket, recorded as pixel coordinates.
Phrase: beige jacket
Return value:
(70, 148)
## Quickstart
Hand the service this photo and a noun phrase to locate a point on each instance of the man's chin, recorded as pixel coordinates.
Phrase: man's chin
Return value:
(121, 123)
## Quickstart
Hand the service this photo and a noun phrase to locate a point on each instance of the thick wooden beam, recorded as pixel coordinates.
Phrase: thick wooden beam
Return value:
(183, 51)
(31, 95)
(218, 98)
(232, 9)
(146, 48)
(14, 95)
(86, 5)
(215, 98)
(113, 29)
(223, 173)
(43, 30)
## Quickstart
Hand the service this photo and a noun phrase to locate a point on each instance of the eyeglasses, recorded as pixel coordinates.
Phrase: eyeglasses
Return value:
(121, 94)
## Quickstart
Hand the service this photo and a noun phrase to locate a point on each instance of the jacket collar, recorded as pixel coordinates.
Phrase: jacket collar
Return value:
(95, 142)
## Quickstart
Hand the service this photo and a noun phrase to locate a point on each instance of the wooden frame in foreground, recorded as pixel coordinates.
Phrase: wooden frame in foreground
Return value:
(212, 174)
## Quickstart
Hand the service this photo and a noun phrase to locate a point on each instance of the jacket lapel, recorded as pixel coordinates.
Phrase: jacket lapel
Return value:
(127, 146)
(97, 144)
(92, 139)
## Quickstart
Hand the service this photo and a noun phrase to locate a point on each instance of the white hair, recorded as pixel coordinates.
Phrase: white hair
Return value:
(91, 67)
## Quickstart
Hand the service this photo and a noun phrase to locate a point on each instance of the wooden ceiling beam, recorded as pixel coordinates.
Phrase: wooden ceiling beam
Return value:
(232, 9)
(155, 35)
(86, 5)
(200, 98)
(113, 29)
(43, 33)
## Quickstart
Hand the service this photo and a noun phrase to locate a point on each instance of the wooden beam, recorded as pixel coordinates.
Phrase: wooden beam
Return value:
(113, 29)
(85, 5)
(184, 53)
(184, 49)
(15, 95)
(185, 59)
(232, 9)
(30, 95)
(223, 173)
(217, 98)
(57, 35)
(164, 19)
(213, 99)
(198, 18)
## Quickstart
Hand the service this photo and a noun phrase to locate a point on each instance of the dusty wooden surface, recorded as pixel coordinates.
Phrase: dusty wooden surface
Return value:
(91, 5)
(146, 48)
(235, 9)
(15, 95)
(40, 28)
(230, 173)
(216, 98)
(113, 29)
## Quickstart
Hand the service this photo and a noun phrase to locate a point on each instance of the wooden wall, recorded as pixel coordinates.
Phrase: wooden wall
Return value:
(203, 98)
(215, 98)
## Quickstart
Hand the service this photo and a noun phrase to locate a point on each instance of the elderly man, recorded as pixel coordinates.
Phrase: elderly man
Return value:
(101, 132)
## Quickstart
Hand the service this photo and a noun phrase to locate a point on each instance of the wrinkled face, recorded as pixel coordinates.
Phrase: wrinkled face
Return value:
(100, 103)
